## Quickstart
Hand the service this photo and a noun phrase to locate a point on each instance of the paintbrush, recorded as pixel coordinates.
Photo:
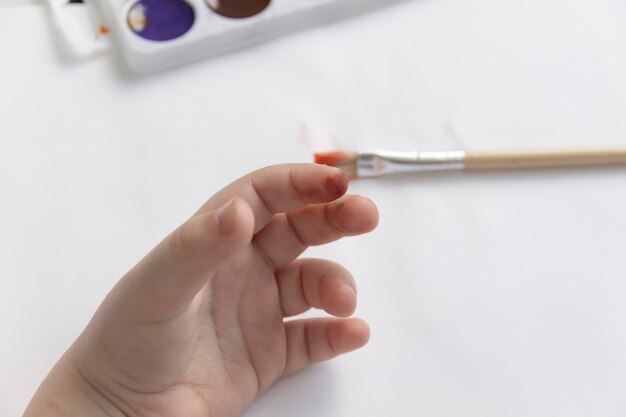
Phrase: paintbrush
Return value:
(378, 163)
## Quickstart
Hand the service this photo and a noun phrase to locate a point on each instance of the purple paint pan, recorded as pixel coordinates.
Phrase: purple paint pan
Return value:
(161, 20)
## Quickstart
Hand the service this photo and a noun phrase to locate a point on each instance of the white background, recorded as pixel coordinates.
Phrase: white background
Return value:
(487, 294)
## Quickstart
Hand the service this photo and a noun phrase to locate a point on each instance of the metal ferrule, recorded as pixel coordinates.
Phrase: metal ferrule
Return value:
(375, 163)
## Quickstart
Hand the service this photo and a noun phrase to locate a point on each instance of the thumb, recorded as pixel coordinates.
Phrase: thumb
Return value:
(165, 282)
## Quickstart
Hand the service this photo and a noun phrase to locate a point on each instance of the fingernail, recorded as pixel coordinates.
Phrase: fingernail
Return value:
(336, 185)
(348, 288)
(225, 216)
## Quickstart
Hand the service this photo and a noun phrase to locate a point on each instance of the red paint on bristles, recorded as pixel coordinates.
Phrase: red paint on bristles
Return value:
(330, 158)
(345, 161)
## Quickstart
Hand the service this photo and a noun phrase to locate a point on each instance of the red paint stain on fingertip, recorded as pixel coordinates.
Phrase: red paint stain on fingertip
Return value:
(336, 185)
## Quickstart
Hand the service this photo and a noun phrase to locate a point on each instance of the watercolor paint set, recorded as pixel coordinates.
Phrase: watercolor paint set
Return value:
(156, 34)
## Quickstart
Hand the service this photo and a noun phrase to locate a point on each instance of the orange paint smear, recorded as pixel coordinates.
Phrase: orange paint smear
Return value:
(330, 158)
(103, 29)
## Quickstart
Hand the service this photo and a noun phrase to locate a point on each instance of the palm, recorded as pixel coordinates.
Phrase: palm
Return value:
(245, 341)
(208, 339)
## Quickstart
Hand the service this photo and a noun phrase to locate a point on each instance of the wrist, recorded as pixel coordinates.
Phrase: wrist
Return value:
(66, 393)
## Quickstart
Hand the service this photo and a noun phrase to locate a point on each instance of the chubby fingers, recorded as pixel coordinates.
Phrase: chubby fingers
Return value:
(282, 188)
(287, 235)
(316, 283)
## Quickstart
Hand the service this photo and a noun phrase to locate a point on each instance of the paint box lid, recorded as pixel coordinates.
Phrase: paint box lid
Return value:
(81, 31)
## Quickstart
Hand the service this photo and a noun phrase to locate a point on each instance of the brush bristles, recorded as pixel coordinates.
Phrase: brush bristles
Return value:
(345, 161)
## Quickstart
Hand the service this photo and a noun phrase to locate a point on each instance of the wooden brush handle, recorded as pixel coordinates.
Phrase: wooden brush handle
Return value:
(556, 158)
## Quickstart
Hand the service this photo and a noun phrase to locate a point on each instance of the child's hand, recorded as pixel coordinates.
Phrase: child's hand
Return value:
(198, 327)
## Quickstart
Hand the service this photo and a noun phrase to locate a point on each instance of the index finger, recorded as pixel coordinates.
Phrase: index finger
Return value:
(282, 188)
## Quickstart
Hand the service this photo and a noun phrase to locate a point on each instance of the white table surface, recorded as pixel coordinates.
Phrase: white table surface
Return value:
(487, 295)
